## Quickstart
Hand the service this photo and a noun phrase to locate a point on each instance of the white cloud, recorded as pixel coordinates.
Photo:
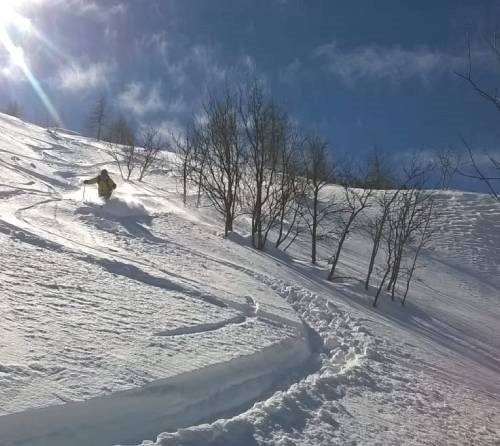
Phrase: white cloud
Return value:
(79, 77)
(394, 64)
(201, 60)
(177, 106)
(169, 129)
(198, 61)
(157, 42)
(188, 71)
(10, 68)
(140, 100)
(12, 73)
(100, 10)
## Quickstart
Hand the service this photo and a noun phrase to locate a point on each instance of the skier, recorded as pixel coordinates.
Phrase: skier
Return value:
(105, 185)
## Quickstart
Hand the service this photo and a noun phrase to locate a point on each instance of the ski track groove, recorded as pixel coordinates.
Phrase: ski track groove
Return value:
(346, 356)
(129, 270)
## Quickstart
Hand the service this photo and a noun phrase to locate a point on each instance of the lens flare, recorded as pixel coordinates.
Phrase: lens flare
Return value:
(10, 19)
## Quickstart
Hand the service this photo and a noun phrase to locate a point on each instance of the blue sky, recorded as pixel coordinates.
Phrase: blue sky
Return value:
(362, 73)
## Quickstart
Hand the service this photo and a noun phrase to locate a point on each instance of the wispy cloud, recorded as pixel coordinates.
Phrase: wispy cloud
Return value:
(187, 71)
(291, 72)
(182, 64)
(9, 67)
(394, 64)
(200, 61)
(98, 9)
(79, 77)
(157, 42)
(169, 129)
(140, 99)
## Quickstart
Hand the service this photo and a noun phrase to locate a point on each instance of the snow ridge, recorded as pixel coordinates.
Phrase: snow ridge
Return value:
(341, 345)
(180, 400)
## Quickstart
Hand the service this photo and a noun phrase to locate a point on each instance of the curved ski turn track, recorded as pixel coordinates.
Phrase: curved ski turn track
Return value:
(137, 323)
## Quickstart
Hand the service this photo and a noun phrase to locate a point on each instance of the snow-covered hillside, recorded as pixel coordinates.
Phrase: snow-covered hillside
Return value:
(138, 323)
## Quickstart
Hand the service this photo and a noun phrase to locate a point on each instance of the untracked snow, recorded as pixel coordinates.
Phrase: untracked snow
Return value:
(135, 322)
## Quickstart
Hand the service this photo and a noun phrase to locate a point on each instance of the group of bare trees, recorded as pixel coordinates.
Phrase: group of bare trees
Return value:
(217, 154)
(132, 158)
(317, 207)
(243, 156)
(133, 155)
(353, 201)
(98, 117)
(242, 153)
(402, 228)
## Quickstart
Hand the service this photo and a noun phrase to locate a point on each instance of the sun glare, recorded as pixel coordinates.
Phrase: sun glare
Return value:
(13, 24)
(10, 16)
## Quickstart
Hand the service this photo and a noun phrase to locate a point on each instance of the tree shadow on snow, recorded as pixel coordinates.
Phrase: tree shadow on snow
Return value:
(413, 317)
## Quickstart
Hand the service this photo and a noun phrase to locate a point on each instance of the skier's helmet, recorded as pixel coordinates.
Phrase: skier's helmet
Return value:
(104, 172)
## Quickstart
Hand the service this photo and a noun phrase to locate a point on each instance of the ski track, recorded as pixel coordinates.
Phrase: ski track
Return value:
(294, 366)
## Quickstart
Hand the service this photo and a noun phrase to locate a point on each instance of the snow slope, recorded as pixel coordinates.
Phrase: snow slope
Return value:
(137, 323)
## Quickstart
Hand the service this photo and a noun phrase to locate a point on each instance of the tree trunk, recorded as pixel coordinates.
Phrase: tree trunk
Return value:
(376, 245)
(184, 184)
(379, 290)
(257, 229)
(337, 254)
(229, 225)
(198, 197)
(314, 228)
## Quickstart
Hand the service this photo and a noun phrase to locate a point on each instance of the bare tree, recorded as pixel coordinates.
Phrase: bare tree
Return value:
(292, 187)
(265, 128)
(387, 201)
(410, 216)
(193, 156)
(388, 235)
(219, 139)
(479, 174)
(425, 237)
(120, 132)
(404, 226)
(448, 162)
(152, 146)
(200, 161)
(319, 172)
(492, 97)
(377, 226)
(122, 148)
(185, 164)
(97, 117)
(379, 172)
(354, 202)
(407, 216)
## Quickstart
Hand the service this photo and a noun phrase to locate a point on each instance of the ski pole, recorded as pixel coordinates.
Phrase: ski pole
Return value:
(83, 197)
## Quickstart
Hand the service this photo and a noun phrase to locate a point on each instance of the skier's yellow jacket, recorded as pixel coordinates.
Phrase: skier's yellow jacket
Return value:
(105, 185)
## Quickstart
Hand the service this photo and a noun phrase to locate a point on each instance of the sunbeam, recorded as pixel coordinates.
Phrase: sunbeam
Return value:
(10, 18)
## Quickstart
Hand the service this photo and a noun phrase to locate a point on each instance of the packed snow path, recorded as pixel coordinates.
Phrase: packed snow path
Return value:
(123, 322)
(100, 301)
